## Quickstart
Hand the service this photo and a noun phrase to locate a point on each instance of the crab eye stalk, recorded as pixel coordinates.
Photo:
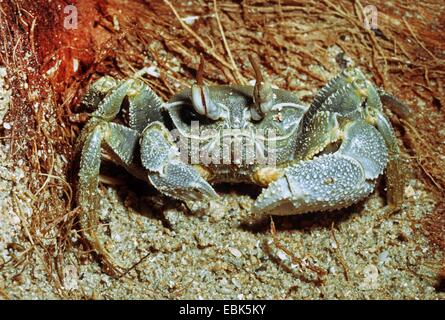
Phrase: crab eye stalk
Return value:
(201, 101)
(203, 104)
(263, 96)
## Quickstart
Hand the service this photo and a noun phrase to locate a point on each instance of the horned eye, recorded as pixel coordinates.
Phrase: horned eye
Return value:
(201, 100)
(263, 95)
(203, 104)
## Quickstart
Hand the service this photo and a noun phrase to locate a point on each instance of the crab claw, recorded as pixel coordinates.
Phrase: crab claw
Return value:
(330, 181)
(166, 172)
(183, 182)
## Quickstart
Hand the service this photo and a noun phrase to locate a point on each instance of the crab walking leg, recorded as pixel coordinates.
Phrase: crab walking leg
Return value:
(335, 84)
(167, 173)
(349, 78)
(322, 130)
(98, 90)
(331, 181)
(394, 104)
(395, 178)
(122, 142)
(144, 106)
(110, 106)
(320, 125)
(87, 196)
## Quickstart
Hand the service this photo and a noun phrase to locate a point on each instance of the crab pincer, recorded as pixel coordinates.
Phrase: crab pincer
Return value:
(330, 181)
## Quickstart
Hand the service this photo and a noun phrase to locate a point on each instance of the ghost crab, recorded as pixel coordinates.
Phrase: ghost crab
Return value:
(326, 156)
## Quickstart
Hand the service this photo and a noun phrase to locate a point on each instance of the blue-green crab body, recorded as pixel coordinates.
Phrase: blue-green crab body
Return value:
(234, 147)
(318, 158)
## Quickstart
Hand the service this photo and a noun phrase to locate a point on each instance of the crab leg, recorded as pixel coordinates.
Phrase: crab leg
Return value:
(321, 123)
(330, 181)
(144, 106)
(106, 98)
(394, 104)
(167, 172)
(395, 179)
(98, 90)
(320, 131)
(110, 106)
(349, 78)
(122, 141)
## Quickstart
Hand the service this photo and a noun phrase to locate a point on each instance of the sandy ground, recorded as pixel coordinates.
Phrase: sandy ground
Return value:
(215, 256)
